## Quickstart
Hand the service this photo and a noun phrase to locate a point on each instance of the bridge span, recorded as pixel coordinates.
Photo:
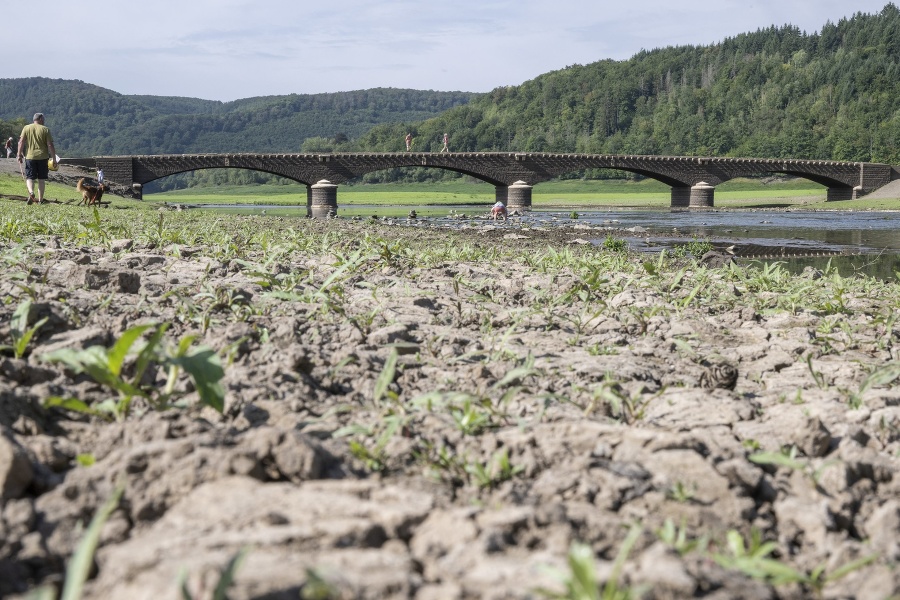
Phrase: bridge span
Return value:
(513, 174)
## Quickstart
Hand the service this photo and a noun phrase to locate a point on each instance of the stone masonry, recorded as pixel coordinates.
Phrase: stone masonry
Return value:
(692, 178)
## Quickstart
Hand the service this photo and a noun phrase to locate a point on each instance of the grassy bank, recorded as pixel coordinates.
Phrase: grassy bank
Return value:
(646, 194)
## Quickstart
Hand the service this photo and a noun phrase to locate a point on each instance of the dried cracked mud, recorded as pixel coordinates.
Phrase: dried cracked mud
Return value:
(394, 430)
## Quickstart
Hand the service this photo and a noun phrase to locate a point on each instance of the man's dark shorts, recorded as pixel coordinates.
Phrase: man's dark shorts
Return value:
(37, 169)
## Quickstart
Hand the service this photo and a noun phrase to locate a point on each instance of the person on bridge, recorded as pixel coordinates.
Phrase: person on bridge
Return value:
(446, 147)
(408, 141)
(498, 211)
(36, 137)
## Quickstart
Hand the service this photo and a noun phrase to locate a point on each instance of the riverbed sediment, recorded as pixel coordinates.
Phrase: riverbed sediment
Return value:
(438, 414)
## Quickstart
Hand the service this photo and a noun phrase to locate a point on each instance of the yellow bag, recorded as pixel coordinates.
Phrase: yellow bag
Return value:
(52, 165)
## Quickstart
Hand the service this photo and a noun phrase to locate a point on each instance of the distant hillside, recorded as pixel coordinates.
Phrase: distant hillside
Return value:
(89, 120)
(777, 92)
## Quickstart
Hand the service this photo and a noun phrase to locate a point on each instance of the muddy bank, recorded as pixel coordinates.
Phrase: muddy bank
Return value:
(443, 415)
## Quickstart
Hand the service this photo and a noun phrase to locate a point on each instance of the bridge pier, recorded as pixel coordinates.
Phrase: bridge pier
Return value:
(841, 193)
(518, 196)
(323, 199)
(699, 195)
(501, 194)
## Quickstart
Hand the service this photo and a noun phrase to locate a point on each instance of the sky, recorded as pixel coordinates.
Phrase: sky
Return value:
(232, 49)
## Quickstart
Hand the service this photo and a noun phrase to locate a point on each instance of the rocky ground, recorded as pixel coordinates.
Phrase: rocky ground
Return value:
(397, 427)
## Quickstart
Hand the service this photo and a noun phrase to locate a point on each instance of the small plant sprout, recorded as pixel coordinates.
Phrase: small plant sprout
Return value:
(20, 332)
(373, 455)
(679, 492)
(883, 375)
(581, 582)
(787, 458)
(817, 375)
(385, 379)
(82, 560)
(317, 587)
(677, 538)
(226, 578)
(495, 471)
(754, 560)
(107, 367)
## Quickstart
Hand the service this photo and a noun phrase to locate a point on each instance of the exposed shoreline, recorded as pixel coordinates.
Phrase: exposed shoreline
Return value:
(433, 414)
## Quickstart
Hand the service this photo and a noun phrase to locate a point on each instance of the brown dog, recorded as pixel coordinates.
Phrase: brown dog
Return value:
(89, 194)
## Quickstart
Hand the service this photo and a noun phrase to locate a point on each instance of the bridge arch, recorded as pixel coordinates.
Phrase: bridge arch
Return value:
(692, 179)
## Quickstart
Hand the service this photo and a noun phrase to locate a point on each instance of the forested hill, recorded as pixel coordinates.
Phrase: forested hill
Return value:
(777, 92)
(88, 120)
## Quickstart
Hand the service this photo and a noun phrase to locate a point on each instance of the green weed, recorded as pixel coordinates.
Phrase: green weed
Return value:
(373, 455)
(581, 582)
(695, 248)
(226, 578)
(754, 560)
(106, 366)
(497, 470)
(679, 492)
(787, 458)
(614, 244)
(82, 560)
(677, 539)
(19, 331)
(817, 375)
(883, 375)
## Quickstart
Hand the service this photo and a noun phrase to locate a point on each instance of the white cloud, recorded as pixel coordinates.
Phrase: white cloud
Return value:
(230, 49)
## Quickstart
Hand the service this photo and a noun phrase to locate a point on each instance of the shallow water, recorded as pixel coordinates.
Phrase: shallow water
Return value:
(839, 230)
(864, 242)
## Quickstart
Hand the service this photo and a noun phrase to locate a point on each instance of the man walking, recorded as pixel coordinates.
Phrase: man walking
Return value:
(39, 143)
(9, 147)
(446, 147)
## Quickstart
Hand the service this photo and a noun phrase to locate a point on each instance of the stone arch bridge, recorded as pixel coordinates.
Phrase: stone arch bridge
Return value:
(513, 174)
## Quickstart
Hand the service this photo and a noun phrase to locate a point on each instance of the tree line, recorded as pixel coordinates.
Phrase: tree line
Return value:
(88, 120)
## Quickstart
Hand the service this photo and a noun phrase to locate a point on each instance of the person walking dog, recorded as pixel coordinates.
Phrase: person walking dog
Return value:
(36, 148)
